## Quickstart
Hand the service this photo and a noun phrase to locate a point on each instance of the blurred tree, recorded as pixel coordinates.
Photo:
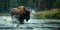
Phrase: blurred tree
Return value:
(56, 4)
(0, 6)
(6, 5)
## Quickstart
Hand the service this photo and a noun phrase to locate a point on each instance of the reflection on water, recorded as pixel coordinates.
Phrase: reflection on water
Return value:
(32, 24)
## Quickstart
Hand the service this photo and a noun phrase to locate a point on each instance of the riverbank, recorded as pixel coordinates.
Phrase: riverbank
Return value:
(50, 14)
(5, 14)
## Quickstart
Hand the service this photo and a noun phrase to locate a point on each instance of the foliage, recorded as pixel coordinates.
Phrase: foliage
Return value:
(6, 5)
(52, 14)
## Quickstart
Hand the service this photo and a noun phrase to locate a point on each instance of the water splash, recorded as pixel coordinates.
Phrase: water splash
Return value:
(31, 15)
(6, 18)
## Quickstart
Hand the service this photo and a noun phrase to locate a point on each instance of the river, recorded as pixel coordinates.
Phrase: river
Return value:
(33, 24)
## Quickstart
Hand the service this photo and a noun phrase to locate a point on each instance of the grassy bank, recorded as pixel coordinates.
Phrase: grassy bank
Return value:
(51, 14)
(5, 14)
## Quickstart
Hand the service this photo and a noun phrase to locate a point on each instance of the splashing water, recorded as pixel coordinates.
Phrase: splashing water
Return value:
(31, 15)
(6, 18)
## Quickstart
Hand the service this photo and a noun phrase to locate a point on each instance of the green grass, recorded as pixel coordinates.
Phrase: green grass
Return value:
(51, 14)
(5, 14)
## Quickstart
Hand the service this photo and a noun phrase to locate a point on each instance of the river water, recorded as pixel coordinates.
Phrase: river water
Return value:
(6, 23)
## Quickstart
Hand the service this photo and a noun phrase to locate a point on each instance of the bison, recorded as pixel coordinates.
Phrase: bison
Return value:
(20, 13)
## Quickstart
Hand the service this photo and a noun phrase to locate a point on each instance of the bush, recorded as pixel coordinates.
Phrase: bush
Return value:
(52, 14)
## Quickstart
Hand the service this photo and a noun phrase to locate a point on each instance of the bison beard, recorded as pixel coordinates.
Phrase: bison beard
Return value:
(21, 19)
(26, 15)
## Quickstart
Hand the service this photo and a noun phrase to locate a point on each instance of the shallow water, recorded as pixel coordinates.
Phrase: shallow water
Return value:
(33, 24)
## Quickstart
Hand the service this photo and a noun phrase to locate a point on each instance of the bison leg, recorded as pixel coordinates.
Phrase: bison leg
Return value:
(27, 18)
(21, 20)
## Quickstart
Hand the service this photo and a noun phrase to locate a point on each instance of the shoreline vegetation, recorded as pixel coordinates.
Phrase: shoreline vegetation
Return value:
(49, 14)
(5, 14)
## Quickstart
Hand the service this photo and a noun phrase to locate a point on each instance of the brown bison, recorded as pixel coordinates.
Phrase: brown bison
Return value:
(21, 13)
